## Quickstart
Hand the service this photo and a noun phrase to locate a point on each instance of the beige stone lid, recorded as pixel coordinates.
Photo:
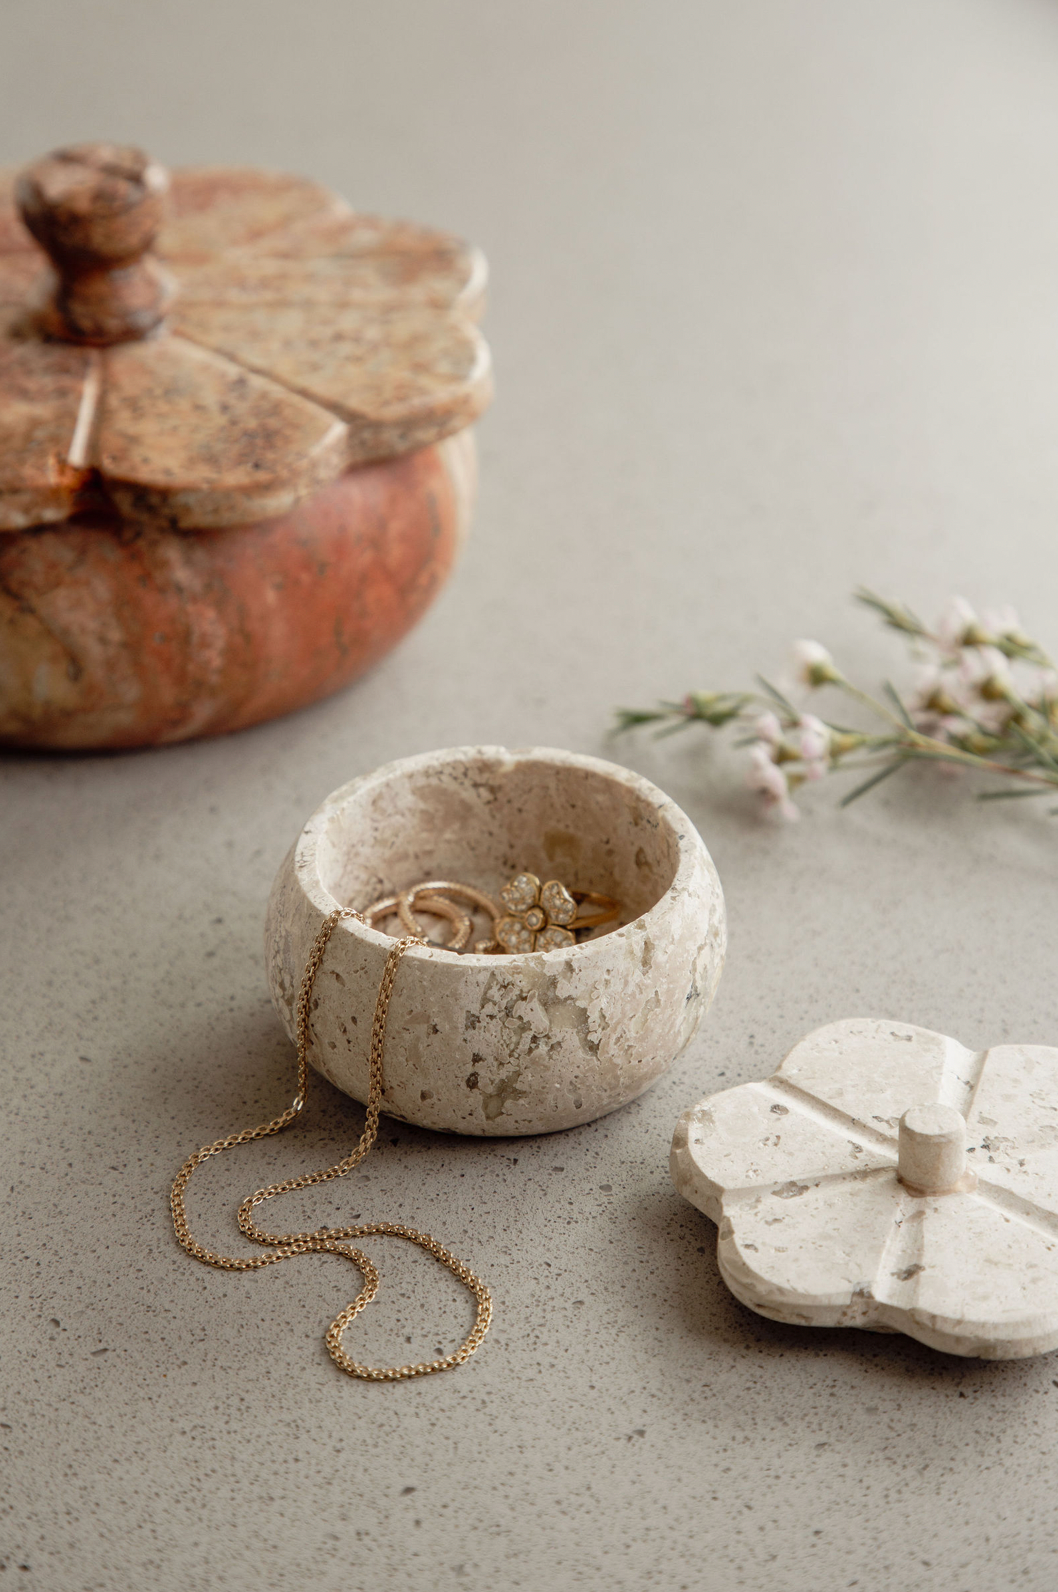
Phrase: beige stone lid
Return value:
(210, 347)
(889, 1178)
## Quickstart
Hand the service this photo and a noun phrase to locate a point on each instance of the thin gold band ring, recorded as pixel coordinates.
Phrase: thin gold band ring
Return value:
(421, 893)
(437, 906)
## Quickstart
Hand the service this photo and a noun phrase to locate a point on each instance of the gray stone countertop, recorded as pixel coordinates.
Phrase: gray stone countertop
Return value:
(774, 310)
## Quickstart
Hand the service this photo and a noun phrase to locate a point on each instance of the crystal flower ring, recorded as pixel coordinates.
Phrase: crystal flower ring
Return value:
(540, 917)
(545, 917)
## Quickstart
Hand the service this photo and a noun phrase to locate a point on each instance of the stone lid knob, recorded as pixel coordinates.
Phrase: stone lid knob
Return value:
(932, 1149)
(96, 210)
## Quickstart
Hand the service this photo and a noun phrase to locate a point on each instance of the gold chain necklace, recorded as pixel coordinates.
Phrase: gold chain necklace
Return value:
(328, 1240)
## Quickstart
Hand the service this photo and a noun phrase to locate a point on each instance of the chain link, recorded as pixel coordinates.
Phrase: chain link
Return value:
(330, 1240)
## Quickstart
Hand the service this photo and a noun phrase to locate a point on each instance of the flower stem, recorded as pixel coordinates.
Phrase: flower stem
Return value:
(978, 707)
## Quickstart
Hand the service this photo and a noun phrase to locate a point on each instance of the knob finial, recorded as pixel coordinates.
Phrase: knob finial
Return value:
(96, 209)
(932, 1153)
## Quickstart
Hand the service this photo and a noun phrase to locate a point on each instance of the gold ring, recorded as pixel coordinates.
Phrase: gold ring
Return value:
(539, 917)
(414, 897)
(436, 905)
(546, 917)
(611, 908)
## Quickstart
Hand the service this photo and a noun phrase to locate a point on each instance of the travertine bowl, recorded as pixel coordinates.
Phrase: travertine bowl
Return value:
(502, 1044)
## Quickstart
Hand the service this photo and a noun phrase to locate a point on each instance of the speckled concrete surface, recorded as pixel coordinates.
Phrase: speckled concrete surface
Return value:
(773, 313)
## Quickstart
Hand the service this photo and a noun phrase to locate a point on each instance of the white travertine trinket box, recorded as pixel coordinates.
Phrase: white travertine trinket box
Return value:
(502, 1044)
(886, 1177)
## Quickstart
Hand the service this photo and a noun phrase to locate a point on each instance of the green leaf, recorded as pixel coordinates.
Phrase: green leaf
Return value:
(936, 754)
(777, 696)
(1012, 795)
(716, 707)
(869, 784)
(1040, 752)
(895, 698)
(896, 615)
(1023, 649)
(631, 718)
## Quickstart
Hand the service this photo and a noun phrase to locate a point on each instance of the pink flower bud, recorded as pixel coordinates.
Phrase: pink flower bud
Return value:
(953, 624)
(813, 665)
(769, 781)
(768, 729)
(814, 741)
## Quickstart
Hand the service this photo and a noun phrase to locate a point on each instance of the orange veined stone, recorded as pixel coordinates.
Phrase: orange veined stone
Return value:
(317, 340)
(272, 347)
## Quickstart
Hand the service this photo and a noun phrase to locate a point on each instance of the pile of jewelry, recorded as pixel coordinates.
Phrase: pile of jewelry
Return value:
(538, 917)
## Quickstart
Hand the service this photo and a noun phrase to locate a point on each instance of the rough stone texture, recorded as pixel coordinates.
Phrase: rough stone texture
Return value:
(116, 634)
(41, 387)
(246, 415)
(821, 1216)
(181, 432)
(303, 340)
(502, 1044)
(215, 209)
(95, 210)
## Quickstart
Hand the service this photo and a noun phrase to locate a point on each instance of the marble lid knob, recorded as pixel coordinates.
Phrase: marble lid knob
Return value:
(96, 209)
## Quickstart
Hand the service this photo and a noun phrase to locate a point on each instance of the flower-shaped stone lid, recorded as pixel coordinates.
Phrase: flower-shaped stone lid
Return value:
(276, 339)
(885, 1177)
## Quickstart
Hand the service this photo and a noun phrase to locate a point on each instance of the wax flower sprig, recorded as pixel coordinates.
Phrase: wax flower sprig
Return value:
(986, 698)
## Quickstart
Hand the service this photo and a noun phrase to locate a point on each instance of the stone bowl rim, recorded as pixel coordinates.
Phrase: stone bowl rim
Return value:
(690, 848)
